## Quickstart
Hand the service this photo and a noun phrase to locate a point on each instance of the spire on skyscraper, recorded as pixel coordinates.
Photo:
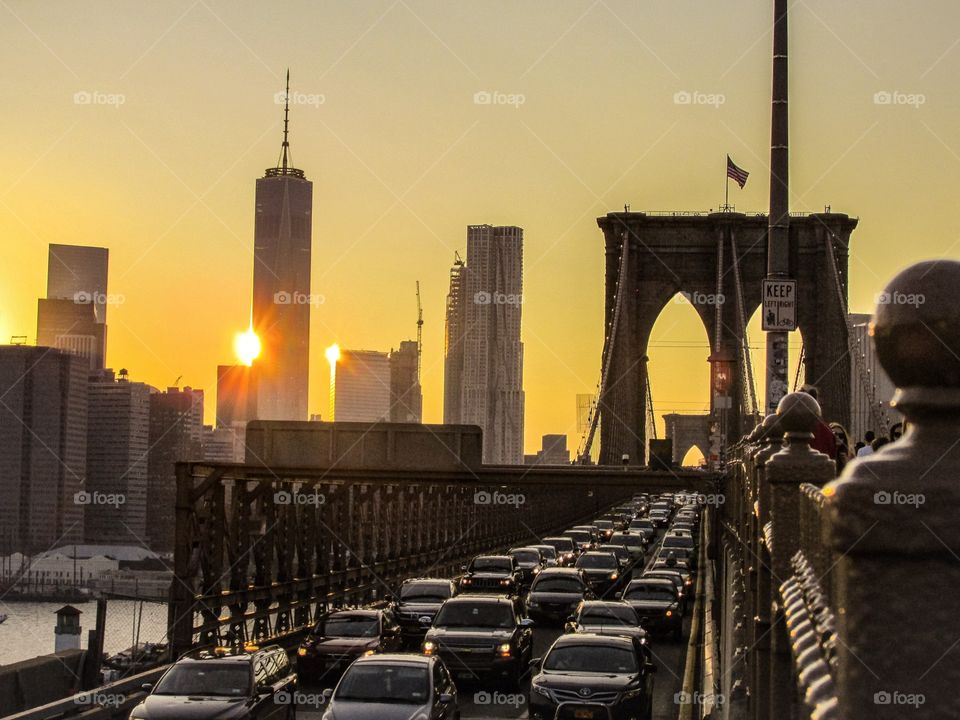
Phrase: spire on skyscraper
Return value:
(283, 164)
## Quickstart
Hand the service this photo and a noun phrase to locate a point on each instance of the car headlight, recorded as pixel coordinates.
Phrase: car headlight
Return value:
(370, 652)
(465, 581)
(614, 576)
(504, 649)
(632, 693)
(506, 581)
(536, 571)
(300, 651)
(669, 613)
(429, 647)
(540, 690)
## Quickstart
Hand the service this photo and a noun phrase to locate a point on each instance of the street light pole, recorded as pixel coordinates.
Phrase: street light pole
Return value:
(778, 234)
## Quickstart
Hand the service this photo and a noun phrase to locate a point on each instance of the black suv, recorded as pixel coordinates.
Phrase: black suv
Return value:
(556, 593)
(600, 672)
(418, 603)
(342, 636)
(223, 684)
(491, 574)
(482, 635)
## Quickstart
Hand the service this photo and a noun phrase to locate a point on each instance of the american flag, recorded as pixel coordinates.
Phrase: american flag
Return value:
(739, 176)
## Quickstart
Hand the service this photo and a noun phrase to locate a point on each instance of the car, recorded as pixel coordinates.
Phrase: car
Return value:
(677, 539)
(584, 539)
(606, 617)
(595, 534)
(606, 528)
(556, 593)
(657, 603)
(491, 573)
(417, 605)
(678, 567)
(684, 586)
(613, 672)
(566, 550)
(601, 570)
(483, 637)
(223, 684)
(624, 557)
(643, 526)
(340, 637)
(549, 554)
(634, 542)
(529, 562)
(384, 687)
(659, 518)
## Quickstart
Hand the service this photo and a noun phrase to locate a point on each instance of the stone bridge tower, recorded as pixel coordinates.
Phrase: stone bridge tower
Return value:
(693, 253)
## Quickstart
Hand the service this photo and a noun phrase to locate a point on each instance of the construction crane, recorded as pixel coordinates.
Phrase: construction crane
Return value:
(419, 332)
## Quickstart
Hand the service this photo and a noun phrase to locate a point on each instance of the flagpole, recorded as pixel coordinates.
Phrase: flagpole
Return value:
(726, 194)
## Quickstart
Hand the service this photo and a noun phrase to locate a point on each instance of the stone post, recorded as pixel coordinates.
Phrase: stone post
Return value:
(794, 465)
(893, 517)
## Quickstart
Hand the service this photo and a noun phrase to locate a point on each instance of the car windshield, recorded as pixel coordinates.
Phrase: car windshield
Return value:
(561, 544)
(491, 564)
(379, 683)
(642, 524)
(604, 524)
(425, 591)
(526, 556)
(349, 626)
(591, 659)
(599, 562)
(557, 584)
(475, 615)
(621, 614)
(548, 551)
(579, 535)
(648, 592)
(629, 540)
(206, 678)
(680, 542)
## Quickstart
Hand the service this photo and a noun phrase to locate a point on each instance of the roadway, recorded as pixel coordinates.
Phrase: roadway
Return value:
(480, 701)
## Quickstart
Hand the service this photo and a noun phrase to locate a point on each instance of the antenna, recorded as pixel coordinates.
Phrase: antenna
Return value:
(419, 332)
(286, 122)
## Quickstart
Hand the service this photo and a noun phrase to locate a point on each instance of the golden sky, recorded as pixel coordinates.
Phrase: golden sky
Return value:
(143, 126)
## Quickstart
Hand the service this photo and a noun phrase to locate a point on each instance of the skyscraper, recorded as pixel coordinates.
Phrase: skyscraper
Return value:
(176, 434)
(281, 286)
(486, 310)
(454, 326)
(118, 443)
(73, 316)
(406, 397)
(360, 387)
(43, 447)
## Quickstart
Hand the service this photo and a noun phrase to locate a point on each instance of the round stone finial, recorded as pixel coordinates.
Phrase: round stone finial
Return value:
(770, 427)
(755, 434)
(798, 412)
(916, 326)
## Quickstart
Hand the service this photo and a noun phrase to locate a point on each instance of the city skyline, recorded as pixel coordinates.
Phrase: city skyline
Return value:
(393, 196)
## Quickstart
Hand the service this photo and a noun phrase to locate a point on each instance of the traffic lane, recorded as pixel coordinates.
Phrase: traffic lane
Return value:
(485, 702)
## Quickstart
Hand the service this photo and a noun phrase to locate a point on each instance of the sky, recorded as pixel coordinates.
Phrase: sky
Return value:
(142, 127)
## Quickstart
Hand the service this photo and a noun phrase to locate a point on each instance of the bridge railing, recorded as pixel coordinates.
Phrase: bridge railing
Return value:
(833, 588)
(260, 552)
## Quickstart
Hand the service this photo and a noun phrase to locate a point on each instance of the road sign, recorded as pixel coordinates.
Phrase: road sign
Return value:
(779, 305)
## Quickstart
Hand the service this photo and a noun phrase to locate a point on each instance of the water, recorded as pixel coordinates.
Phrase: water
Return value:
(28, 631)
